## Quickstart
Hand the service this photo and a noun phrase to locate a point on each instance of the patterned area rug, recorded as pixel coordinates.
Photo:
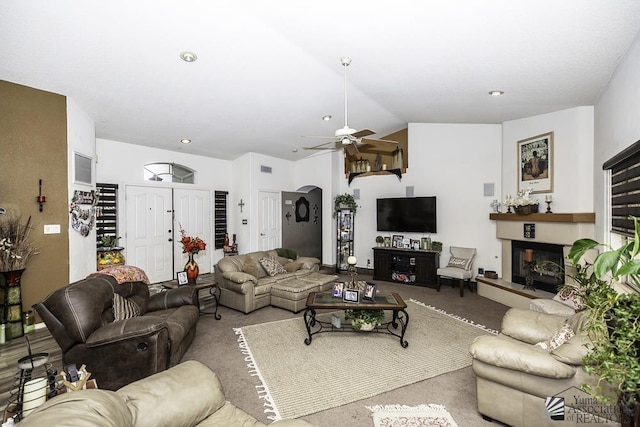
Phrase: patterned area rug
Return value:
(340, 368)
(411, 416)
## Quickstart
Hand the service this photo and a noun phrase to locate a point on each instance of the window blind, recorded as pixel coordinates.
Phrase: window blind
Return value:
(220, 219)
(625, 189)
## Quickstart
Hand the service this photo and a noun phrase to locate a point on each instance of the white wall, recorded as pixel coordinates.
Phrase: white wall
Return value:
(572, 156)
(81, 138)
(451, 162)
(617, 125)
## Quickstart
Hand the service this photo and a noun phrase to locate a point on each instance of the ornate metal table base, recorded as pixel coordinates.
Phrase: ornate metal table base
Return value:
(314, 326)
(214, 291)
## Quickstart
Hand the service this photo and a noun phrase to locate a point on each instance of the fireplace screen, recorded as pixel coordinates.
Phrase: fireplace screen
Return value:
(547, 275)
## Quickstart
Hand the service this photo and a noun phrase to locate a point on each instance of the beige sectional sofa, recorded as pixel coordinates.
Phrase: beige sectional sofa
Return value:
(246, 286)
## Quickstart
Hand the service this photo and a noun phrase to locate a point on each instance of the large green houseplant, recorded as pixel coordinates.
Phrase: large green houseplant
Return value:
(614, 320)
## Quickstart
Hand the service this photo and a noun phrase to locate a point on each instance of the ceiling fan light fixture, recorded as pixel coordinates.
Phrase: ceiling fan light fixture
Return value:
(327, 117)
(185, 141)
(188, 56)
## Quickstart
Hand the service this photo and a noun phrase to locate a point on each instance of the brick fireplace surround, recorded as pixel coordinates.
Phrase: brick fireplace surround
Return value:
(560, 229)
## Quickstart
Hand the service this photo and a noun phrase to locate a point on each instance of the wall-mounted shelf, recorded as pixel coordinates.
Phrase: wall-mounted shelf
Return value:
(588, 217)
(396, 172)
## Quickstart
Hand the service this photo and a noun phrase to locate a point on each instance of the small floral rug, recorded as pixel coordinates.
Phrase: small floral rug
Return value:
(411, 416)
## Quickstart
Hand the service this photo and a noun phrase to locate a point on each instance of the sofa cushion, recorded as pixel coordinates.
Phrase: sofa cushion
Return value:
(166, 399)
(124, 308)
(179, 320)
(519, 356)
(251, 267)
(530, 326)
(574, 350)
(569, 297)
(308, 262)
(96, 408)
(290, 267)
(271, 266)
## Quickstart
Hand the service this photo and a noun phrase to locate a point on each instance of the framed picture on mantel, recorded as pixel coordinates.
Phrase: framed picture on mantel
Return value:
(535, 163)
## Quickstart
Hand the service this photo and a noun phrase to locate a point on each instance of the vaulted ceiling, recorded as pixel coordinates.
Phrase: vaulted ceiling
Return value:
(267, 72)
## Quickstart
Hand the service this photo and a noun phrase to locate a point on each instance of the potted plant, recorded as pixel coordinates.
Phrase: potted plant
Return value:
(379, 240)
(614, 322)
(436, 246)
(522, 204)
(364, 320)
(342, 201)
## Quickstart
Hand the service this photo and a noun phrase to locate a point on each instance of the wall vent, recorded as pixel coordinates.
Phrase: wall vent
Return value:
(265, 169)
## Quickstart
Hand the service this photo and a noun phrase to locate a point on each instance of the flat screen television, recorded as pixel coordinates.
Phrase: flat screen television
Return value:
(407, 214)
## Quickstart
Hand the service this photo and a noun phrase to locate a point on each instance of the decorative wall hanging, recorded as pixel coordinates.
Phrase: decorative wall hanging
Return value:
(302, 210)
(82, 210)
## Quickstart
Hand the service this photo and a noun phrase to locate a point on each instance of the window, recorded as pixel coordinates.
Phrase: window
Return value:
(220, 221)
(107, 211)
(168, 172)
(625, 189)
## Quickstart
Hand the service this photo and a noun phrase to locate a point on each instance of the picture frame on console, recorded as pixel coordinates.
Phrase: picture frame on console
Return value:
(415, 244)
(369, 293)
(397, 241)
(351, 295)
(338, 289)
(535, 163)
(182, 278)
(387, 242)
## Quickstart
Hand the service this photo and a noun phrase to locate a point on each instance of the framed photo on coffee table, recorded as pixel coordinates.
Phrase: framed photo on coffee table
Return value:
(369, 293)
(350, 295)
(338, 289)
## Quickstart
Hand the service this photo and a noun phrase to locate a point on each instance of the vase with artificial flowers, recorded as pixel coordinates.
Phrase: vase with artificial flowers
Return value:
(191, 246)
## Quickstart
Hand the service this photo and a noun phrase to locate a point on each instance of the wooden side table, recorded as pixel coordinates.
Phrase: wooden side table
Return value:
(204, 282)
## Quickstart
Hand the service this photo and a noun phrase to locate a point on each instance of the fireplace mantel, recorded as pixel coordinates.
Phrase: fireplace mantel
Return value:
(588, 217)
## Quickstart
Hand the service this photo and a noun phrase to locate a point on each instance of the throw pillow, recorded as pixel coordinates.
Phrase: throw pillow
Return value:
(292, 266)
(569, 297)
(287, 253)
(563, 335)
(254, 269)
(271, 266)
(462, 263)
(124, 308)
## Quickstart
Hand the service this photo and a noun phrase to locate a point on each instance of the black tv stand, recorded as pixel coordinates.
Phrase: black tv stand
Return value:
(413, 267)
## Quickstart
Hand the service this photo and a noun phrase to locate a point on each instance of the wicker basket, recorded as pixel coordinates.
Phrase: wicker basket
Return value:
(526, 209)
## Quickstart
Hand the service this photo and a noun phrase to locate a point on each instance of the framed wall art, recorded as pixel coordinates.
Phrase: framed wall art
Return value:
(535, 163)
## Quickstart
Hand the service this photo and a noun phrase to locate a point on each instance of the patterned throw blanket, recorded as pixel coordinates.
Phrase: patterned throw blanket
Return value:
(125, 273)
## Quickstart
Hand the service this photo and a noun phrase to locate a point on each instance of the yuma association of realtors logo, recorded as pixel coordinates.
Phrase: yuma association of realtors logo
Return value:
(579, 407)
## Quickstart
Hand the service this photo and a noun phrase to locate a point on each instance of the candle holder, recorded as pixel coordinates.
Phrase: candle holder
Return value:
(528, 280)
(353, 271)
(548, 202)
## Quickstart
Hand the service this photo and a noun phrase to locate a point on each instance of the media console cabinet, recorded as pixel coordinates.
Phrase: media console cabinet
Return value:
(413, 267)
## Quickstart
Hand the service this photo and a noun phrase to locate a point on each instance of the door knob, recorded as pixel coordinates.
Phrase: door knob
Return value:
(262, 234)
(170, 239)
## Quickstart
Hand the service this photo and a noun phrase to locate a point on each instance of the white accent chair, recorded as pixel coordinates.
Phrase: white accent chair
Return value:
(460, 267)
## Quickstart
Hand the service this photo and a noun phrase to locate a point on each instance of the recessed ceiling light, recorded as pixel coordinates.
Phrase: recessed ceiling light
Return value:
(496, 92)
(188, 56)
(185, 141)
(295, 150)
(327, 117)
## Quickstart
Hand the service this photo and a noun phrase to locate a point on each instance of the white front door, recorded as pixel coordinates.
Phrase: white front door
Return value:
(193, 214)
(268, 220)
(149, 234)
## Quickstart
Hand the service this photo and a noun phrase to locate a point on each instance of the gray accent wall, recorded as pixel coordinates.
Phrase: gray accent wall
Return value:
(302, 222)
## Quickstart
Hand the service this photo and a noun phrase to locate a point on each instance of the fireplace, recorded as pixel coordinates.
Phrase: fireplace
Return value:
(546, 276)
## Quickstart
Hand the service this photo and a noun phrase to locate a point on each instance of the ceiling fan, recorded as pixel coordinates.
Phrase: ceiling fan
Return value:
(351, 140)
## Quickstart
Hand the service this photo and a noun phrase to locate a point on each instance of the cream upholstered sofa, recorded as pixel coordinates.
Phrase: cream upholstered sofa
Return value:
(246, 286)
(514, 377)
(189, 394)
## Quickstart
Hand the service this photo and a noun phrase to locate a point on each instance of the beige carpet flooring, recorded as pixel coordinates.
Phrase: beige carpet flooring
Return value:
(216, 346)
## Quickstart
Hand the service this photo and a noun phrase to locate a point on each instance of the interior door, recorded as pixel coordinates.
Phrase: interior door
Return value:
(269, 220)
(193, 213)
(149, 231)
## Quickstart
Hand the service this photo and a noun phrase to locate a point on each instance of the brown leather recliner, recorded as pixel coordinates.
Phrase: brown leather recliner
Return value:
(81, 319)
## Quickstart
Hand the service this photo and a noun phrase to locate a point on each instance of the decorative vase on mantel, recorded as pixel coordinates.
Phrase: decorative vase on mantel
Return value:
(192, 269)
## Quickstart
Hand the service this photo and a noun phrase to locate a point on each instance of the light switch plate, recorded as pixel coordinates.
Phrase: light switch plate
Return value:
(52, 229)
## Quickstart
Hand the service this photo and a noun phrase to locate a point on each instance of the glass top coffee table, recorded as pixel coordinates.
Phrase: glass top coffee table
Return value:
(383, 301)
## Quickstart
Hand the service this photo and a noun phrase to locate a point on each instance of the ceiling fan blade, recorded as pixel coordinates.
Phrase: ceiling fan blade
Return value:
(316, 136)
(324, 146)
(351, 149)
(362, 133)
(382, 145)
